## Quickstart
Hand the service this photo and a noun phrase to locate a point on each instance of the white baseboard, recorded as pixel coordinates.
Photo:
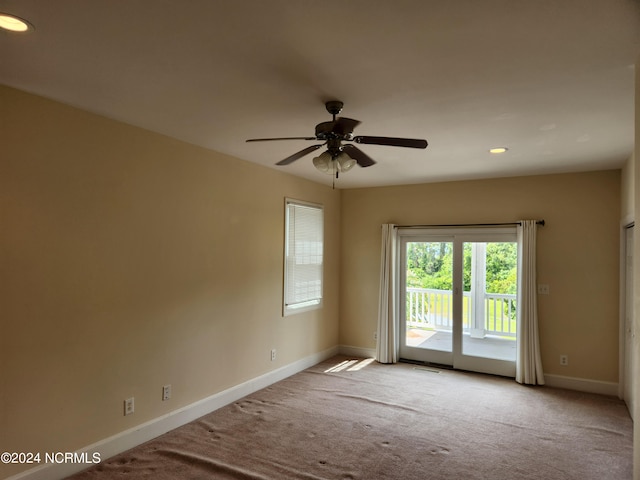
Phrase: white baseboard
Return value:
(559, 381)
(123, 441)
(357, 351)
(581, 384)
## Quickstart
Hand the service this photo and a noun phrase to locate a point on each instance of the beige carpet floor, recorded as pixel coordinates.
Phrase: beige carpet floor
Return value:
(358, 420)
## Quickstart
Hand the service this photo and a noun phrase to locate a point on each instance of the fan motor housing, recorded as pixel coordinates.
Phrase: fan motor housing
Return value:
(325, 131)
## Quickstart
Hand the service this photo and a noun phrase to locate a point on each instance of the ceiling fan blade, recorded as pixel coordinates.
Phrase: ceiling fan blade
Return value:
(392, 141)
(281, 138)
(344, 125)
(358, 155)
(298, 155)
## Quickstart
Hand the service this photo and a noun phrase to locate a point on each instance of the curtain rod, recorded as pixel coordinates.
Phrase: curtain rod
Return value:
(508, 224)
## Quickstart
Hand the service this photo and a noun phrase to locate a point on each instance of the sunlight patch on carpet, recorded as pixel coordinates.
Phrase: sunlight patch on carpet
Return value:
(349, 365)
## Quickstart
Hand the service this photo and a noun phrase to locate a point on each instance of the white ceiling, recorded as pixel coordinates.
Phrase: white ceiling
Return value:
(553, 80)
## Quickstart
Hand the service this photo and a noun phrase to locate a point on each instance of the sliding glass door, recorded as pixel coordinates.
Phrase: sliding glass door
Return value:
(457, 291)
(427, 267)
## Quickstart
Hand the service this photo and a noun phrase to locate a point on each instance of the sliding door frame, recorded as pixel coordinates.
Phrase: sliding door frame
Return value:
(458, 236)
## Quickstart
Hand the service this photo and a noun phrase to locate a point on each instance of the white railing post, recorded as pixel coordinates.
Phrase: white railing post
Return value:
(478, 289)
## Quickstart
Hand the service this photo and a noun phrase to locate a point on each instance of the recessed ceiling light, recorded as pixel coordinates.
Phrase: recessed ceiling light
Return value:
(498, 150)
(13, 23)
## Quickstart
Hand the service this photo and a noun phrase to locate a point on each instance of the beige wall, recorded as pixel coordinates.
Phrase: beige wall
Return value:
(131, 260)
(577, 255)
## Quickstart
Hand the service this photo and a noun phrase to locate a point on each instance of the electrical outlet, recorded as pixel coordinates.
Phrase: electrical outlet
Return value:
(543, 289)
(129, 406)
(375, 336)
(166, 393)
(273, 354)
(564, 360)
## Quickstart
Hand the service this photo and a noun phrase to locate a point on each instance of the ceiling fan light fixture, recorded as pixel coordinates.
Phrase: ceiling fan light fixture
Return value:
(345, 162)
(323, 163)
(14, 24)
(327, 163)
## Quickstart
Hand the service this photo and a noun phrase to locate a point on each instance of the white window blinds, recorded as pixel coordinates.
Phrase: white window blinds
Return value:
(303, 256)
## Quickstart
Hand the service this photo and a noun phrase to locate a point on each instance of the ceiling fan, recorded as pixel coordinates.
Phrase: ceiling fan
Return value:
(341, 157)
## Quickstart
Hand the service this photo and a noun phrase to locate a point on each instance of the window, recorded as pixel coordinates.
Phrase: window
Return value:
(303, 256)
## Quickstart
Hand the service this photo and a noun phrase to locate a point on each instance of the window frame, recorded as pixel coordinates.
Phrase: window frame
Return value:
(312, 303)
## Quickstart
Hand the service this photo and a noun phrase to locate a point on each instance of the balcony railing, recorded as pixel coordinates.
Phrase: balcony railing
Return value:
(430, 308)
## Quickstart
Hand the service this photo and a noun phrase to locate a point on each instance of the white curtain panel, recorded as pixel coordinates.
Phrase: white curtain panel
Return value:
(528, 361)
(387, 344)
